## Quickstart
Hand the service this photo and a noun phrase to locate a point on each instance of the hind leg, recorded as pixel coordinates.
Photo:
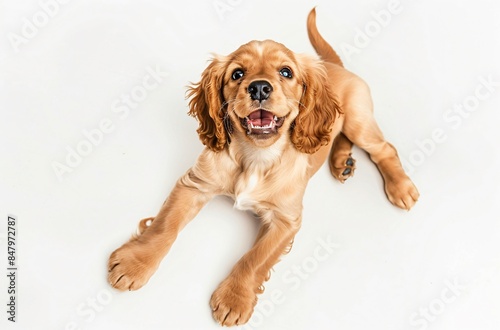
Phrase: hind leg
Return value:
(342, 165)
(360, 127)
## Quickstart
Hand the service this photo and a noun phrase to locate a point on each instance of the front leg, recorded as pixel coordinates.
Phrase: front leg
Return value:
(131, 266)
(235, 298)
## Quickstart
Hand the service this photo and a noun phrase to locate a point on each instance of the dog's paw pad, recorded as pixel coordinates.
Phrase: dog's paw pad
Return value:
(343, 168)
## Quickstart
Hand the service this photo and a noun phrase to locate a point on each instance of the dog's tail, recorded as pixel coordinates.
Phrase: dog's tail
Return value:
(320, 45)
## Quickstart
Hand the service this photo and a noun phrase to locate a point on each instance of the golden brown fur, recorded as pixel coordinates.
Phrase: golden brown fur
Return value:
(264, 162)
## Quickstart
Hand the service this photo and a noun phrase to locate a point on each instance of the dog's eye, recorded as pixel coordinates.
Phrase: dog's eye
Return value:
(286, 72)
(237, 74)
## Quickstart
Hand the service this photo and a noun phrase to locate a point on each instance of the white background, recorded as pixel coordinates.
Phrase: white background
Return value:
(436, 267)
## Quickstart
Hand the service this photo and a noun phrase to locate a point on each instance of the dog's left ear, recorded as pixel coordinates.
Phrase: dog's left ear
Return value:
(318, 107)
(206, 105)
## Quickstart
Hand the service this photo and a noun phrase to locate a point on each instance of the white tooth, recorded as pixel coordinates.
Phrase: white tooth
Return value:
(251, 125)
(275, 118)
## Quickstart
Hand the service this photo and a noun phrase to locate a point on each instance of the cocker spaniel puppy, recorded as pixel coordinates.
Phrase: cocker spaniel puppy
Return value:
(269, 118)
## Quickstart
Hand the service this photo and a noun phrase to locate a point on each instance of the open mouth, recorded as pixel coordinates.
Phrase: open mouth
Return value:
(262, 122)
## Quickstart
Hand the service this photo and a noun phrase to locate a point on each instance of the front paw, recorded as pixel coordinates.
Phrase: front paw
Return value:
(233, 302)
(131, 266)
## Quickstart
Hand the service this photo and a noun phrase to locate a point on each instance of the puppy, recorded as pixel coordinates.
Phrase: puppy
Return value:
(269, 118)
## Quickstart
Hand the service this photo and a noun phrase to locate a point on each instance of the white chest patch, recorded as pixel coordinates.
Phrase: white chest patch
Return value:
(243, 199)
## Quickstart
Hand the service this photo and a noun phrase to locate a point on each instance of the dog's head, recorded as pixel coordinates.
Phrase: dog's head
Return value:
(264, 90)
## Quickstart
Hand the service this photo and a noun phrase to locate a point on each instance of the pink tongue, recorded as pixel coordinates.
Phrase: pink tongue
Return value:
(260, 118)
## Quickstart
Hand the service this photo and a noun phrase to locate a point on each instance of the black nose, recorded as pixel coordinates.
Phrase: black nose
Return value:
(260, 90)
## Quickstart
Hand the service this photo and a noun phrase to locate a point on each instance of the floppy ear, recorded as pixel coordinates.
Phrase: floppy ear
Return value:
(206, 105)
(318, 107)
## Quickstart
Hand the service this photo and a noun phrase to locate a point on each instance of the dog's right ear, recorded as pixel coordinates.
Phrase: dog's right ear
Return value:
(206, 104)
